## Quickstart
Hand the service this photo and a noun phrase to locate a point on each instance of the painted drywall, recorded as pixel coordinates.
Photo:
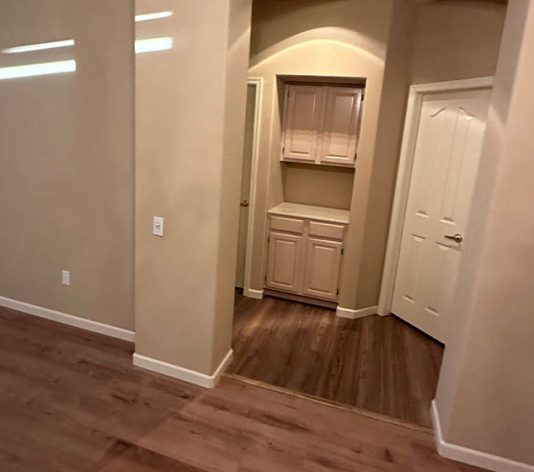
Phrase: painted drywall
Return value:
(317, 185)
(66, 184)
(190, 117)
(486, 386)
(384, 170)
(457, 39)
(325, 38)
(237, 62)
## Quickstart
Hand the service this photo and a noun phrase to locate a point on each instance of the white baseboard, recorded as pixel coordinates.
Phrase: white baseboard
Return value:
(472, 456)
(354, 314)
(71, 320)
(181, 373)
(253, 293)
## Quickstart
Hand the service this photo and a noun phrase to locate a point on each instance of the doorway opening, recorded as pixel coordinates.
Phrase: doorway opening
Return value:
(293, 338)
(388, 365)
(309, 322)
(248, 186)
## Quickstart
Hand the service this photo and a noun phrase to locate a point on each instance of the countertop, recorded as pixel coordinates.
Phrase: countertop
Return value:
(331, 215)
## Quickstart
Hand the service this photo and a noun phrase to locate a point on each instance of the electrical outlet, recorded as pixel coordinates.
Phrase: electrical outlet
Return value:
(158, 225)
(65, 277)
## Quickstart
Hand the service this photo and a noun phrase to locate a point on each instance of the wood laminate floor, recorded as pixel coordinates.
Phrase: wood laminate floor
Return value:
(380, 364)
(71, 401)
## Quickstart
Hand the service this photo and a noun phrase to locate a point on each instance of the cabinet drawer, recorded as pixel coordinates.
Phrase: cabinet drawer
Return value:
(291, 225)
(327, 230)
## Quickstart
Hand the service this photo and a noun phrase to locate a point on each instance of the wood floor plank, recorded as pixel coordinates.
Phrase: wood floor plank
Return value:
(381, 364)
(72, 401)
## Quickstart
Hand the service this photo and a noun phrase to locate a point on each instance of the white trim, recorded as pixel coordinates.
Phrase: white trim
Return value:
(354, 314)
(402, 187)
(181, 373)
(473, 456)
(247, 290)
(253, 293)
(71, 320)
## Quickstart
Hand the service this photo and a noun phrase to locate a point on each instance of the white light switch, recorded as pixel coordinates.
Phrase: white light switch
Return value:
(158, 226)
(65, 277)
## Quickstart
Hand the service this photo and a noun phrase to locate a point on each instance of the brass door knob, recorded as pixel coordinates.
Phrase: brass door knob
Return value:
(244, 203)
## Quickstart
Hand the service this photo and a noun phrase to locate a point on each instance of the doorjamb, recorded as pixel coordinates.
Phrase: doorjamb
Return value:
(404, 174)
(247, 291)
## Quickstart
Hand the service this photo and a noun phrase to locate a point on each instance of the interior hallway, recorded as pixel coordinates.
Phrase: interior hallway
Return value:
(71, 400)
(380, 364)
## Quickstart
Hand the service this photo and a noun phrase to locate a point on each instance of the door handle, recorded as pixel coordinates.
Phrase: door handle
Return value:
(244, 203)
(455, 237)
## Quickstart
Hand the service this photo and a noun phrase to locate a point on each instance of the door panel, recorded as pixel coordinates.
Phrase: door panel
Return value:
(321, 273)
(284, 264)
(446, 158)
(339, 140)
(245, 186)
(301, 122)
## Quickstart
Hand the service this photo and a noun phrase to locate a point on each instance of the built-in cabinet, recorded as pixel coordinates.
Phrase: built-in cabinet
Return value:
(304, 250)
(320, 124)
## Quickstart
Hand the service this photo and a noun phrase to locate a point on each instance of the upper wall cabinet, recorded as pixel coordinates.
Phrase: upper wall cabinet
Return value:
(321, 124)
(304, 107)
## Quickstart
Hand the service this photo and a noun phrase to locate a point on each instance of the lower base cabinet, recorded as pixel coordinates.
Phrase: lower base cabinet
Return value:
(284, 262)
(304, 257)
(321, 269)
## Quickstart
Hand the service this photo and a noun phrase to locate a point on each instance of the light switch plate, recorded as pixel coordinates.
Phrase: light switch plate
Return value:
(65, 277)
(158, 225)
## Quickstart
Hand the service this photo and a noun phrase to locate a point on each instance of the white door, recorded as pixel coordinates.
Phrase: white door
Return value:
(284, 262)
(446, 158)
(321, 273)
(340, 132)
(245, 186)
(303, 109)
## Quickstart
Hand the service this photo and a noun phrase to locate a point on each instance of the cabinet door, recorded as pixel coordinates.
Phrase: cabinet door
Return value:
(340, 135)
(321, 271)
(284, 263)
(302, 116)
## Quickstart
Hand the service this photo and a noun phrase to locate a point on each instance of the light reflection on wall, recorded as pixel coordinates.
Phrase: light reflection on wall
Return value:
(151, 38)
(39, 46)
(40, 68)
(153, 16)
(45, 68)
(153, 44)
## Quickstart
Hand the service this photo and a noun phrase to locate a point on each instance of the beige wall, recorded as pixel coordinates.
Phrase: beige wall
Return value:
(237, 62)
(66, 179)
(487, 385)
(444, 40)
(384, 170)
(457, 39)
(190, 116)
(325, 38)
(317, 185)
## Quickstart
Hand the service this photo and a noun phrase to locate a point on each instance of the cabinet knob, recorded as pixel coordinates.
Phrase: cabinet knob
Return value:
(244, 203)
